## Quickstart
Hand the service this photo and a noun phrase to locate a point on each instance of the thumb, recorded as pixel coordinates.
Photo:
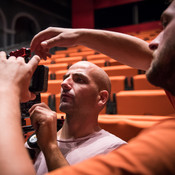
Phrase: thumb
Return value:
(34, 62)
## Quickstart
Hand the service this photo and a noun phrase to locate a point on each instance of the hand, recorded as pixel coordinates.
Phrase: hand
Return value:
(44, 121)
(51, 37)
(16, 75)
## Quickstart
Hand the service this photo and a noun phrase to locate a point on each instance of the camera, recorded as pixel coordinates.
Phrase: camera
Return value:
(38, 84)
(39, 79)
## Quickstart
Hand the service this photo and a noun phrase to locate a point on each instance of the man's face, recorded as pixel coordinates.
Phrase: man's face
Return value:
(78, 90)
(162, 70)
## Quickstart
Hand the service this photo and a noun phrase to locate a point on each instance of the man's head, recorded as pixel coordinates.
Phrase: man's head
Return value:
(162, 70)
(85, 89)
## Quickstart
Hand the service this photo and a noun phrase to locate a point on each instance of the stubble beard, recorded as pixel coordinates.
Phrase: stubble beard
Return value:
(162, 75)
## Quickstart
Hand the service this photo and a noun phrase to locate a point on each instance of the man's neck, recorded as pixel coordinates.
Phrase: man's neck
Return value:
(77, 127)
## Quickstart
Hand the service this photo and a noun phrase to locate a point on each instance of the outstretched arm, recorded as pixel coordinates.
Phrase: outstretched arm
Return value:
(44, 120)
(124, 48)
(15, 77)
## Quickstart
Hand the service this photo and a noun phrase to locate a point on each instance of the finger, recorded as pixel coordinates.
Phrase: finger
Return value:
(33, 96)
(34, 62)
(43, 55)
(21, 59)
(34, 121)
(3, 55)
(44, 105)
(12, 58)
(41, 36)
(34, 106)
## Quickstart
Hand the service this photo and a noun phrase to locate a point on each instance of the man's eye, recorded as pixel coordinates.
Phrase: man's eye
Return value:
(79, 80)
(165, 23)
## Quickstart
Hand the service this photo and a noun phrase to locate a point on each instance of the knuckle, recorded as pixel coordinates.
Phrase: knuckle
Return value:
(50, 28)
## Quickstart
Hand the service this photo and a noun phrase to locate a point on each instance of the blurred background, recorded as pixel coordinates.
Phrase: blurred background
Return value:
(20, 20)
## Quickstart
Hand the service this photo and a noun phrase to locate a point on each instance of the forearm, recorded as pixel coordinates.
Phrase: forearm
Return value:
(13, 153)
(54, 158)
(124, 48)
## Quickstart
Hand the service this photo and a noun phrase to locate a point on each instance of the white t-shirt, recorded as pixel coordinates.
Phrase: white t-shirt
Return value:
(77, 150)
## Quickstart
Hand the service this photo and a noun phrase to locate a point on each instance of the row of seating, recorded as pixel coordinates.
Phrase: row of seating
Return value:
(122, 78)
(55, 66)
(119, 83)
(125, 127)
(134, 104)
(137, 102)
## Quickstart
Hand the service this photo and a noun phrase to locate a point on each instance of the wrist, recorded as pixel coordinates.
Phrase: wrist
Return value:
(10, 90)
(48, 148)
(82, 36)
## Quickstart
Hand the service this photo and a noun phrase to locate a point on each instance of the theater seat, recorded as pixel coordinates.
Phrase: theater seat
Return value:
(117, 83)
(102, 63)
(61, 54)
(83, 53)
(60, 74)
(143, 102)
(69, 60)
(52, 100)
(44, 97)
(127, 127)
(58, 66)
(99, 56)
(45, 62)
(120, 70)
(141, 83)
(54, 86)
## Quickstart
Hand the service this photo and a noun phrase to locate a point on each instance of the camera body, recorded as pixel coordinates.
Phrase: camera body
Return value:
(39, 81)
(38, 84)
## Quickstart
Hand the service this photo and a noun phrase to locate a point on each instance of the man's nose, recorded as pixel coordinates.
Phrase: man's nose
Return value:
(66, 84)
(154, 44)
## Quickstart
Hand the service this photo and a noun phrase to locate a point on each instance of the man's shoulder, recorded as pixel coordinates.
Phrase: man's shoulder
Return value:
(106, 139)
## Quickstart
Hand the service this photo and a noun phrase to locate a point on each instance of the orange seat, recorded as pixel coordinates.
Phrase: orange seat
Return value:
(58, 55)
(83, 53)
(60, 74)
(127, 127)
(120, 70)
(141, 83)
(117, 83)
(98, 57)
(58, 66)
(143, 102)
(69, 60)
(54, 86)
(113, 62)
(66, 51)
(85, 49)
(101, 62)
(28, 121)
(61, 115)
(44, 97)
(45, 62)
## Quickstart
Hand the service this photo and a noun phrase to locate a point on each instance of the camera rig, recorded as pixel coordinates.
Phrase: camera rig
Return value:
(38, 84)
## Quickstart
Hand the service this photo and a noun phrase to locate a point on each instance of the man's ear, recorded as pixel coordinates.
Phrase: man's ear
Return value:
(103, 97)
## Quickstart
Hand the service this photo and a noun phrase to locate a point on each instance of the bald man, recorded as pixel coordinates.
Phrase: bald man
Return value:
(84, 93)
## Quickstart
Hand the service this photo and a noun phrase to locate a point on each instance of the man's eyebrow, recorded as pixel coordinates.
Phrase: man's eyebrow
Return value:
(166, 16)
(65, 76)
(82, 76)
